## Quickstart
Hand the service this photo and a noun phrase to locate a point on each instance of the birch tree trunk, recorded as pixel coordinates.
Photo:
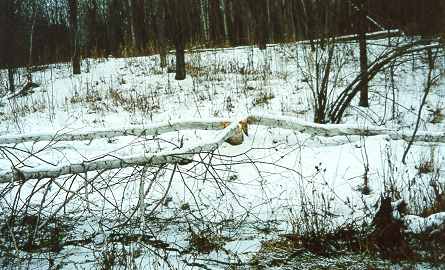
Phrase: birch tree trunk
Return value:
(179, 156)
(223, 11)
(203, 4)
(11, 72)
(232, 133)
(8, 43)
(161, 33)
(31, 39)
(131, 19)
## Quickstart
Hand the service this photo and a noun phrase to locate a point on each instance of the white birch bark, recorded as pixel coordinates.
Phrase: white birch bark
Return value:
(222, 5)
(233, 134)
(131, 19)
(330, 130)
(179, 156)
(204, 18)
(138, 131)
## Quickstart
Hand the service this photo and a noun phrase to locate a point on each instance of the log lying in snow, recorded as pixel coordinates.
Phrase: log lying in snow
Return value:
(331, 130)
(436, 137)
(417, 224)
(233, 134)
(214, 124)
(180, 156)
(326, 130)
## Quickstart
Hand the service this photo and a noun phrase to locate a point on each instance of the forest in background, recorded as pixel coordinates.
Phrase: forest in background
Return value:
(36, 32)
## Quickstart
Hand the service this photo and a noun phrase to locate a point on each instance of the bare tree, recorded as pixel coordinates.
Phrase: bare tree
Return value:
(344, 99)
(131, 19)
(161, 20)
(204, 15)
(31, 36)
(259, 12)
(75, 60)
(179, 32)
(9, 10)
(362, 23)
(139, 23)
(431, 81)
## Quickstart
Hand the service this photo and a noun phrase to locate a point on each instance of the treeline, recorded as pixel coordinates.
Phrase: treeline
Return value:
(38, 31)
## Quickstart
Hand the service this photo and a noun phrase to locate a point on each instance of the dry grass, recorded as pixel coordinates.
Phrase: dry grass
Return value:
(425, 167)
(206, 242)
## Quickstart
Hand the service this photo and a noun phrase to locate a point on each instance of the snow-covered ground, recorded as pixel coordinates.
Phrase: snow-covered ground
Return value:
(278, 181)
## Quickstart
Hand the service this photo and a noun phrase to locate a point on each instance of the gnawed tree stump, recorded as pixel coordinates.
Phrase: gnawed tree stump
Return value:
(388, 235)
(238, 136)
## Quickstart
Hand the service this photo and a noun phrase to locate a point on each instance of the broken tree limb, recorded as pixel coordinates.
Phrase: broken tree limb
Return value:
(428, 137)
(420, 225)
(153, 130)
(286, 122)
(108, 162)
(233, 133)
(416, 224)
(331, 130)
(326, 130)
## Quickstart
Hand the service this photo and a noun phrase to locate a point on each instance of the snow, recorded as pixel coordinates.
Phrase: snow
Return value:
(275, 173)
(419, 225)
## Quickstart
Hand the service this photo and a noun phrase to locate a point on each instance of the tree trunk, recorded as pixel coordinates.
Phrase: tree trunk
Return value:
(92, 29)
(178, 156)
(160, 22)
(259, 12)
(268, 21)
(31, 39)
(363, 57)
(139, 24)
(215, 25)
(74, 36)
(224, 13)
(239, 29)
(179, 31)
(203, 5)
(262, 28)
(131, 19)
(180, 63)
(8, 40)
(363, 71)
(11, 72)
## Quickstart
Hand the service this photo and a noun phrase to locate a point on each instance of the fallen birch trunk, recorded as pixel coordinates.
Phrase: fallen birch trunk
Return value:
(214, 124)
(428, 225)
(432, 224)
(233, 134)
(331, 130)
(181, 156)
(325, 130)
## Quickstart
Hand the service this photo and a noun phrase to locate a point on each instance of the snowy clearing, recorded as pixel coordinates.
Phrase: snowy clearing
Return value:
(125, 160)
